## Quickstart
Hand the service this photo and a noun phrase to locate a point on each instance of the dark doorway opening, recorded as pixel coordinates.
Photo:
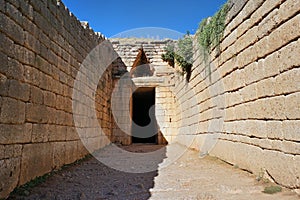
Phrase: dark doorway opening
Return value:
(144, 128)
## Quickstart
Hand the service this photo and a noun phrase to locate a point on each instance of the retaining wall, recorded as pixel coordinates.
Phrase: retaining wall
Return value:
(250, 100)
(42, 47)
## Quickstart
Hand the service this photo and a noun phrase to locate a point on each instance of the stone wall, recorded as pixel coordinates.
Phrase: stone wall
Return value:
(42, 47)
(127, 49)
(250, 101)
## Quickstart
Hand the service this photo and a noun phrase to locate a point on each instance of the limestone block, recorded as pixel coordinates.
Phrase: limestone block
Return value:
(291, 147)
(241, 112)
(291, 130)
(250, 92)
(12, 111)
(271, 65)
(26, 9)
(292, 106)
(42, 65)
(51, 115)
(230, 114)
(13, 70)
(267, 144)
(267, 24)
(257, 128)
(36, 113)
(3, 59)
(253, 73)
(11, 28)
(265, 8)
(59, 154)
(255, 110)
(285, 171)
(4, 85)
(18, 90)
(9, 173)
(70, 152)
(287, 56)
(288, 9)
(236, 98)
(42, 23)
(277, 105)
(57, 133)
(36, 95)
(2, 152)
(60, 102)
(267, 87)
(242, 9)
(12, 151)
(69, 119)
(36, 161)
(288, 82)
(284, 34)
(32, 75)
(49, 99)
(40, 133)
(248, 38)
(229, 40)
(237, 79)
(11, 134)
(274, 129)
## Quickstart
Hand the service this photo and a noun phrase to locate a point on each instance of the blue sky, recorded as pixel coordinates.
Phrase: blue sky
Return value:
(115, 16)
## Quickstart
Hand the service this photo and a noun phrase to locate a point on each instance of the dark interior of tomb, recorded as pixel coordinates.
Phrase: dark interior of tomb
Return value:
(142, 100)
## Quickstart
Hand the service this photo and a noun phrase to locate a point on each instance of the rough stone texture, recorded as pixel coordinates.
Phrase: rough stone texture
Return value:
(253, 91)
(42, 47)
(127, 48)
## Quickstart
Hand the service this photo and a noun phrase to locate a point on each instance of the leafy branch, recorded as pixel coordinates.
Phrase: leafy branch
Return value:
(210, 33)
(182, 54)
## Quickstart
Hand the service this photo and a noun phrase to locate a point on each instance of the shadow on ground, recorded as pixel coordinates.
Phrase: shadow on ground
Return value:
(91, 179)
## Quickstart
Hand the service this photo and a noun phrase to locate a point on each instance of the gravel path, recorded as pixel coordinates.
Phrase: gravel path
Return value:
(187, 178)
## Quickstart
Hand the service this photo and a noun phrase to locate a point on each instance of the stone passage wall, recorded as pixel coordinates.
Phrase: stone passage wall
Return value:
(42, 47)
(252, 99)
(166, 115)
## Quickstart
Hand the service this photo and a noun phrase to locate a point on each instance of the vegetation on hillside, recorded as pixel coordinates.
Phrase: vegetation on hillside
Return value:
(182, 54)
(209, 36)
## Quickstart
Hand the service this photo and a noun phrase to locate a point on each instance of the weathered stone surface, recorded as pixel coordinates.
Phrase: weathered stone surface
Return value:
(14, 134)
(9, 173)
(4, 85)
(58, 133)
(59, 154)
(36, 95)
(258, 71)
(12, 29)
(40, 133)
(12, 111)
(36, 113)
(36, 161)
(291, 130)
(49, 99)
(18, 90)
(292, 106)
(12, 151)
(39, 61)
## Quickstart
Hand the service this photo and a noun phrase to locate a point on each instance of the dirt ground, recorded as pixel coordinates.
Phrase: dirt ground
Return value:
(189, 177)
